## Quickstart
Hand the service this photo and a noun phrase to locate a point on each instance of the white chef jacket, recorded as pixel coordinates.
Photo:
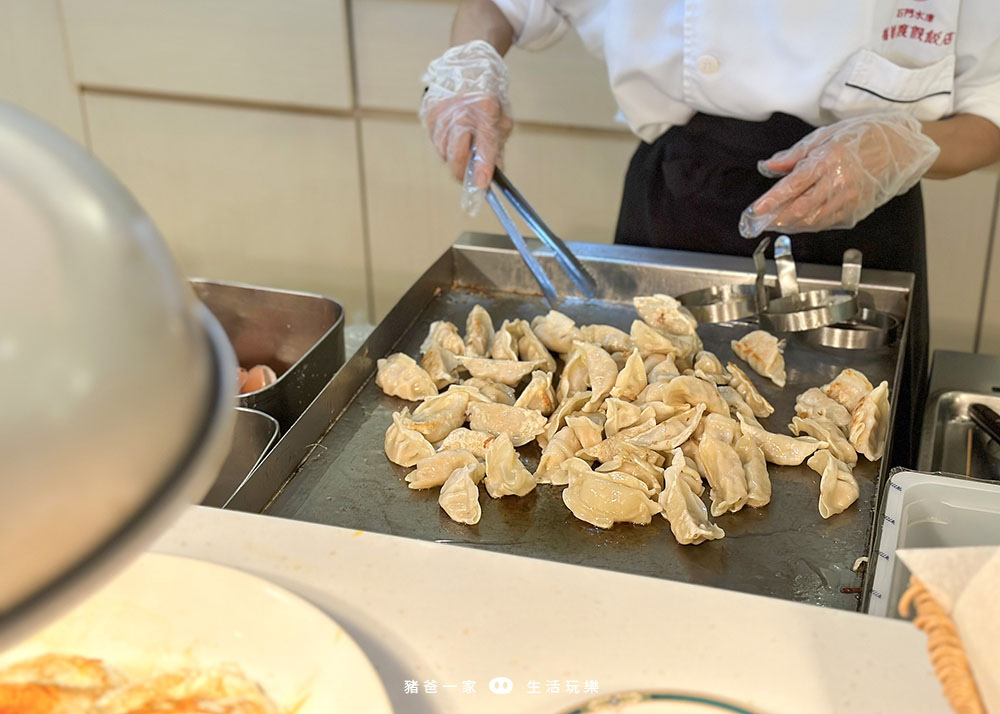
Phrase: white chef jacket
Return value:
(819, 61)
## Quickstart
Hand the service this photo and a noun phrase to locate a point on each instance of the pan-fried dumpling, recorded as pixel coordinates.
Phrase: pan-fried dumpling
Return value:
(601, 373)
(848, 388)
(633, 465)
(686, 390)
(403, 445)
(459, 496)
(651, 360)
(435, 470)
(531, 348)
(444, 335)
(631, 379)
(827, 431)
(725, 475)
(662, 411)
(708, 367)
(561, 447)
(438, 416)
(475, 442)
(649, 340)
(505, 371)
(589, 428)
(669, 434)
(611, 447)
(755, 470)
(622, 414)
(813, 403)
(748, 390)
(573, 379)
(556, 331)
(838, 488)
(608, 338)
(569, 467)
(441, 365)
(478, 332)
(566, 407)
(503, 346)
(737, 405)
(690, 450)
(762, 351)
(719, 427)
(505, 474)
(683, 509)
(781, 449)
(662, 371)
(538, 395)
(474, 394)
(400, 376)
(603, 499)
(870, 423)
(490, 390)
(665, 313)
(521, 425)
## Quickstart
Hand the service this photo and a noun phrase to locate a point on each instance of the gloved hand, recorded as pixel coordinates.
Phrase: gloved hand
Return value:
(840, 173)
(466, 105)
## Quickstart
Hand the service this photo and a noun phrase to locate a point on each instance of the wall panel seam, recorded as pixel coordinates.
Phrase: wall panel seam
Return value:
(360, 156)
(988, 262)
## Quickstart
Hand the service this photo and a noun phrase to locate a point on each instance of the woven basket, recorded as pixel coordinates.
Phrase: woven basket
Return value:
(947, 654)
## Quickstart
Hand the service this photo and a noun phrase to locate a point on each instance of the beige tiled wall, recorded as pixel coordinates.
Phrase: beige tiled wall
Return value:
(238, 125)
(270, 51)
(34, 68)
(251, 195)
(990, 326)
(959, 224)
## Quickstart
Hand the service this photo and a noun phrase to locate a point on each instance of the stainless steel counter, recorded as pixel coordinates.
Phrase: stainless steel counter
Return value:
(338, 474)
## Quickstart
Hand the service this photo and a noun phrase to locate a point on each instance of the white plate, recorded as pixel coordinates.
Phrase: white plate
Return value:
(165, 612)
(657, 703)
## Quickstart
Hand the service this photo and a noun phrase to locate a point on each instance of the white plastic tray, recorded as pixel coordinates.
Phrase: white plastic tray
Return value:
(929, 511)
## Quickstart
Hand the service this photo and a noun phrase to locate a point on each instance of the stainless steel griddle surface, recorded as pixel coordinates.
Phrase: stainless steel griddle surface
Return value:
(784, 550)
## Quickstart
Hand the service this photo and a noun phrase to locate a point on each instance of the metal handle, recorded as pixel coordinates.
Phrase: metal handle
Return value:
(760, 264)
(548, 290)
(850, 273)
(986, 419)
(788, 281)
(569, 262)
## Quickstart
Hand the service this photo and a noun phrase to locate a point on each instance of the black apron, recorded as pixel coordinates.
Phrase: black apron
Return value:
(687, 190)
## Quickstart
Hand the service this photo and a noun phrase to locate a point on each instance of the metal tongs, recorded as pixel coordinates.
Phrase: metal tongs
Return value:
(570, 264)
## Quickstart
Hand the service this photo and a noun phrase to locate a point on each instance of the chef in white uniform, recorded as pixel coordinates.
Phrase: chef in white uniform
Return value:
(812, 119)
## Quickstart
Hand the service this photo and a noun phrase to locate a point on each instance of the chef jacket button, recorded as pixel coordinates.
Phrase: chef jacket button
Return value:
(707, 64)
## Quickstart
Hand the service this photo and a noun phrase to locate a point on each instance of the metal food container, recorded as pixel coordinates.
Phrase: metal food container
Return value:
(298, 335)
(331, 467)
(253, 436)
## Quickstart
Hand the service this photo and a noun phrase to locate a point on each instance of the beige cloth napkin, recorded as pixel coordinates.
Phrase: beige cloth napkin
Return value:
(966, 583)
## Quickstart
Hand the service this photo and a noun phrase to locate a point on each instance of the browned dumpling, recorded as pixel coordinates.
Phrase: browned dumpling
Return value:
(762, 351)
(521, 425)
(870, 423)
(400, 376)
(838, 488)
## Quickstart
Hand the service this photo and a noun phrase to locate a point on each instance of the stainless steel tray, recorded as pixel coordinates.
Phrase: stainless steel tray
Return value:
(337, 473)
(255, 432)
(299, 335)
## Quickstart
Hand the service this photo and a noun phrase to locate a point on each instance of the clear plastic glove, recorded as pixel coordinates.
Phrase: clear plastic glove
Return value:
(466, 106)
(839, 174)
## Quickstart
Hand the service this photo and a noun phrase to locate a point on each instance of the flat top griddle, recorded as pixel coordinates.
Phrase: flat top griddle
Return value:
(783, 550)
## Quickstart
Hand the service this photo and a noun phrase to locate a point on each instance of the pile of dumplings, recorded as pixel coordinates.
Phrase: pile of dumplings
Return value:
(635, 424)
